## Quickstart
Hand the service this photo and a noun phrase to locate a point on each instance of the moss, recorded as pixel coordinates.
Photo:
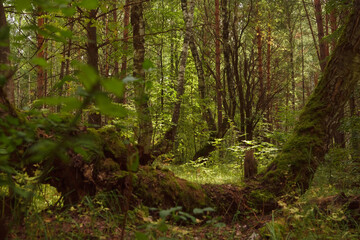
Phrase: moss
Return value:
(110, 165)
(164, 190)
(261, 198)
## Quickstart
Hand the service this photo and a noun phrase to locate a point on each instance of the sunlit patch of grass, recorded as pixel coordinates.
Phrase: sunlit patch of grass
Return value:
(229, 173)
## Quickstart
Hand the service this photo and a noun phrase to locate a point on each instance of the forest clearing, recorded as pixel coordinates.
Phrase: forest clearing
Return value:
(179, 119)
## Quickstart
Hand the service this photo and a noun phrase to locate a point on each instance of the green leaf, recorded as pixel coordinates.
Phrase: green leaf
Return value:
(22, 4)
(39, 61)
(162, 227)
(89, 4)
(107, 107)
(141, 236)
(165, 213)
(114, 86)
(70, 103)
(23, 193)
(192, 218)
(148, 65)
(87, 75)
(201, 211)
(69, 11)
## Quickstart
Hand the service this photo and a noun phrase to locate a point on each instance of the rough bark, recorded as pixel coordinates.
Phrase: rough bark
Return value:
(145, 128)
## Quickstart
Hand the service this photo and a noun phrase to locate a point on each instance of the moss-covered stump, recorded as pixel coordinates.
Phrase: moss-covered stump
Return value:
(159, 188)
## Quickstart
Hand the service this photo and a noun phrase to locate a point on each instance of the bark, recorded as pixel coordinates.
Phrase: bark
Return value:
(93, 57)
(166, 144)
(355, 134)
(125, 46)
(260, 64)
(228, 69)
(6, 92)
(333, 27)
(145, 128)
(320, 27)
(8, 88)
(217, 63)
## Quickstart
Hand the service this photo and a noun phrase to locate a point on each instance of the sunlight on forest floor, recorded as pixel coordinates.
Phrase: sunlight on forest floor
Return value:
(216, 174)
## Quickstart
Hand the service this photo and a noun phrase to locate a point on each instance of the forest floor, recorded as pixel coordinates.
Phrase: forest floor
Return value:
(318, 214)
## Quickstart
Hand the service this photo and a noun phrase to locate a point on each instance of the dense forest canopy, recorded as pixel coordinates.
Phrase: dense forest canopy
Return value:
(98, 96)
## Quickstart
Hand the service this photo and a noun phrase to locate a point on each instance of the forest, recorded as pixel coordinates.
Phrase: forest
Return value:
(179, 119)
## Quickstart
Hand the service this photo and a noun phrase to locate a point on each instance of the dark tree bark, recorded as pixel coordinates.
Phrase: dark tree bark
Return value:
(231, 106)
(217, 63)
(93, 57)
(145, 128)
(320, 27)
(8, 88)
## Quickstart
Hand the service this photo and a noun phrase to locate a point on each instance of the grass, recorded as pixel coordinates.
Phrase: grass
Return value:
(230, 173)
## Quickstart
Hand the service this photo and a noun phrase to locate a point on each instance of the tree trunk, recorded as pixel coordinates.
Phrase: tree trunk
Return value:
(93, 57)
(217, 63)
(40, 54)
(320, 27)
(228, 70)
(145, 128)
(8, 88)
(125, 43)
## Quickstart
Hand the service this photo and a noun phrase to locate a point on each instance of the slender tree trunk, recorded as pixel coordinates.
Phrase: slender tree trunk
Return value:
(145, 128)
(9, 88)
(320, 27)
(227, 57)
(260, 64)
(115, 19)
(217, 63)
(6, 92)
(312, 31)
(125, 42)
(268, 76)
(41, 84)
(93, 57)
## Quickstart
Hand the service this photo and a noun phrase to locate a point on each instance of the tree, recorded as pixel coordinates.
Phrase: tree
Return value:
(145, 128)
(5, 73)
